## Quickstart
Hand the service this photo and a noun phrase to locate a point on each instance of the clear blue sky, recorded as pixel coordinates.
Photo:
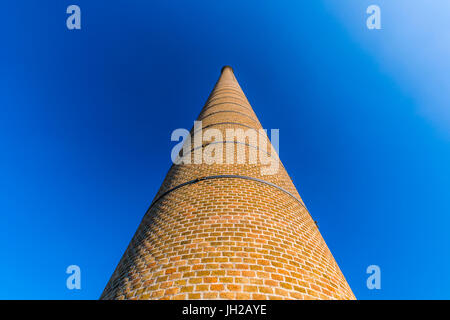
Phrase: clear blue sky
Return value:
(86, 118)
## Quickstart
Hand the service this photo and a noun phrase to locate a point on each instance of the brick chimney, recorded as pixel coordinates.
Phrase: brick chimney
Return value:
(227, 231)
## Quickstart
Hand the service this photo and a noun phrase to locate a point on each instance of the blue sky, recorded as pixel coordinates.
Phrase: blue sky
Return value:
(86, 118)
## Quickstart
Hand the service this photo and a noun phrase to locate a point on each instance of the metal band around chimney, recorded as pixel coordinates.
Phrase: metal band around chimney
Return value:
(219, 123)
(222, 95)
(223, 89)
(220, 103)
(228, 176)
(228, 111)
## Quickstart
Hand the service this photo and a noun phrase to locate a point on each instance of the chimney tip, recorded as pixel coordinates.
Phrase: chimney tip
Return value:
(225, 67)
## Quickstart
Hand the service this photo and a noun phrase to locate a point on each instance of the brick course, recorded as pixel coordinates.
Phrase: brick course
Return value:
(227, 237)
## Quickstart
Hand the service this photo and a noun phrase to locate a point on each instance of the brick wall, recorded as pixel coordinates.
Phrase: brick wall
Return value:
(235, 235)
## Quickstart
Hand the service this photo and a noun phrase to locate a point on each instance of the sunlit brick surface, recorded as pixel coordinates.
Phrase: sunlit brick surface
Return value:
(227, 237)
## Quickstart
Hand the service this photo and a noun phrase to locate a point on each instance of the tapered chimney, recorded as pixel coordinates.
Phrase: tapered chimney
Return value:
(227, 230)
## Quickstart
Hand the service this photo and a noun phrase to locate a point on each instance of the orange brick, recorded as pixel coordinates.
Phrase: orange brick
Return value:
(227, 295)
(250, 288)
(210, 279)
(242, 296)
(233, 287)
(216, 287)
(210, 295)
